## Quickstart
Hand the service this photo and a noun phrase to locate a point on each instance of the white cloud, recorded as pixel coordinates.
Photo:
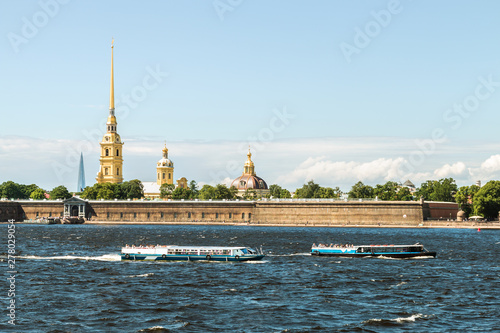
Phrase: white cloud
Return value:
(492, 164)
(290, 163)
(330, 172)
(454, 170)
(489, 169)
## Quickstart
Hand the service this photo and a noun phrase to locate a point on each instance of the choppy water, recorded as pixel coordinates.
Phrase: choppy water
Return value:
(70, 279)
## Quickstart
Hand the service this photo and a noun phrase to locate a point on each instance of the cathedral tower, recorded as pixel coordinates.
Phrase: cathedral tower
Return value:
(111, 160)
(165, 169)
(249, 179)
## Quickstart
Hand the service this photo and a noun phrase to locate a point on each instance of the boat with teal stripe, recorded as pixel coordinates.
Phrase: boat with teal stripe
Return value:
(190, 253)
(391, 251)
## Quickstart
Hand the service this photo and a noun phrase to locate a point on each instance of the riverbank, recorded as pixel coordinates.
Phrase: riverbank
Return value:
(427, 224)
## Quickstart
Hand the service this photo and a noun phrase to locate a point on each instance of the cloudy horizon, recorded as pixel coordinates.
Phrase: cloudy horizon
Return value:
(330, 162)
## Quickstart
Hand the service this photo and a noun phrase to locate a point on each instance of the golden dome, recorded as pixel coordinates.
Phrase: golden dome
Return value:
(165, 161)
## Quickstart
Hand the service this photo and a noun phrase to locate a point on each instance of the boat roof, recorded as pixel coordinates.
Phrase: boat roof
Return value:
(190, 247)
(378, 245)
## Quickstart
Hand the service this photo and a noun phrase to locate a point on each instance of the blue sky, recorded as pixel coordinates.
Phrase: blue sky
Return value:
(334, 91)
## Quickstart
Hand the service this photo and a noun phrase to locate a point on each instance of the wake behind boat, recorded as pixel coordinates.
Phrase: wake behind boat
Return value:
(391, 251)
(190, 253)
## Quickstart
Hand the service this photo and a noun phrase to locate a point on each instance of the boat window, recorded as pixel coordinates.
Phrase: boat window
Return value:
(244, 251)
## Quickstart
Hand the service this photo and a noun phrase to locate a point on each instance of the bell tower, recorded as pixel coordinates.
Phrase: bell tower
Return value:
(165, 169)
(111, 161)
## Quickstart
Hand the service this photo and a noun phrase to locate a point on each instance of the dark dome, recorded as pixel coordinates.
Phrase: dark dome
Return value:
(249, 182)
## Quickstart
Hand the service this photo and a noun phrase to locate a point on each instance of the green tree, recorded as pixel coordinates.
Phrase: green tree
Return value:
(132, 190)
(404, 194)
(27, 190)
(327, 193)
(166, 190)
(11, 190)
(388, 191)
(181, 193)
(307, 191)
(193, 186)
(361, 191)
(426, 189)
(60, 192)
(438, 190)
(487, 200)
(285, 194)
(105, 193)
(219, 192)
(275, 191)
(445, 190)
(250, 194)
(37, 194)
(90, 192)
(465, 198)
(207, 192)
(223, 192)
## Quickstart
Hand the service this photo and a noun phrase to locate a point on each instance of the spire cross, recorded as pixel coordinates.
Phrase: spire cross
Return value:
(112, 85)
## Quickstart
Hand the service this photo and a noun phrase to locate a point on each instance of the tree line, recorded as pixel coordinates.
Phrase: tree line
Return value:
(12, 190)
(473, 200)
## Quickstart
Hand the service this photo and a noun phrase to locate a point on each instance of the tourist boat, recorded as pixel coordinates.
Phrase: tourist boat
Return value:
(190, 253)
(391, 251)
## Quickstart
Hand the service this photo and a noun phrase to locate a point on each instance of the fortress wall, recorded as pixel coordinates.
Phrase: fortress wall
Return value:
(440, 210)
(172, 211)
(40, 208)
(259, 212)
(10, 210)
(338, 212)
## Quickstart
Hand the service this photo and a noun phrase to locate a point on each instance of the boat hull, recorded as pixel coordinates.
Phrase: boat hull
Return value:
(167, 257)
(387, 255)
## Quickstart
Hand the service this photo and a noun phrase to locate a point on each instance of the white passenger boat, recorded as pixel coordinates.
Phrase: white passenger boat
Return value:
(190, 253)
(392, 251)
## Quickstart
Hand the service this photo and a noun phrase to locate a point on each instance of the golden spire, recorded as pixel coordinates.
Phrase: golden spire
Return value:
(165, 150)
(249, 168)
(112, 88)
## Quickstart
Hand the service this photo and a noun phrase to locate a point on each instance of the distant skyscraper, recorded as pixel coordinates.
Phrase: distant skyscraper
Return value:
(81, 175)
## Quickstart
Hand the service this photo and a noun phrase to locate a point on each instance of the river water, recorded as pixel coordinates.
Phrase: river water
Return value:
(70, 279)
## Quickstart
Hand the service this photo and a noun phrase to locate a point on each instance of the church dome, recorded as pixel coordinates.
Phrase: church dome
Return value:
(251, 182)
(165, 161)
